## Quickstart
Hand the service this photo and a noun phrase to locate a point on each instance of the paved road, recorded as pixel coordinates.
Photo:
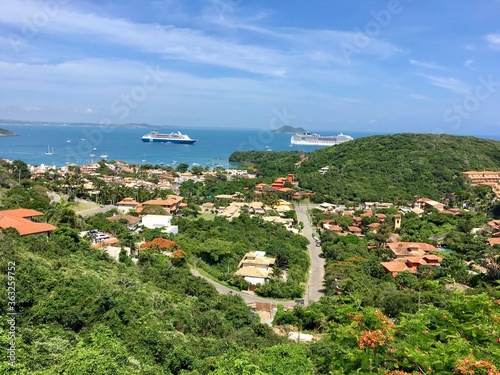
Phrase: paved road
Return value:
(315, 288)
(248, 298)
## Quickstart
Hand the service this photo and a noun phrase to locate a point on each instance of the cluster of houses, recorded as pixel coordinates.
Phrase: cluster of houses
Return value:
(485, 178)
(271, 213)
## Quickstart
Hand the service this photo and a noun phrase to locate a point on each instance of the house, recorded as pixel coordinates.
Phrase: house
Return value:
(410, 263)
(255, 268)
(354, 230)
(257, 207)
(132, 221)
(494, 241)
(409, 249)
(127, 204)
(207, 207)
(324, 170)
(172, 204)
(160, 221)
(373, 227)
(479, 178)
(21, 219)
(282, 206)
(426, 203)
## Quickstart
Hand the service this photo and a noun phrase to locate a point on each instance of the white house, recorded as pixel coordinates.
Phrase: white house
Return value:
(255, 267)
(160, 221)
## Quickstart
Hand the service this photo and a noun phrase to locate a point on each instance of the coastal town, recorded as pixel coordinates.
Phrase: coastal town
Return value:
(288, 254)
(151, 197)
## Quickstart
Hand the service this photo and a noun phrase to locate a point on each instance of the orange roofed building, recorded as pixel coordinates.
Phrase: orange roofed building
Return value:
(410, 256)
(21, 220)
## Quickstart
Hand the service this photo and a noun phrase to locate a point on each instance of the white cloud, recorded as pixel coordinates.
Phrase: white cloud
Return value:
(285, 50)
(493, 40)
(449, 83)
(468, 63)
(89, 110)
(427, 65)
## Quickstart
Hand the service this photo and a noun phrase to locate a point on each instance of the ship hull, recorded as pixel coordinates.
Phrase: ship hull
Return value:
(309, 139)
(177, 141)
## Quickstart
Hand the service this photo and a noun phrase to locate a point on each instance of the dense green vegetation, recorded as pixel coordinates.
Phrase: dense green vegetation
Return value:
(385, 167)
(80, 313)
(268, 164)
(219, 245)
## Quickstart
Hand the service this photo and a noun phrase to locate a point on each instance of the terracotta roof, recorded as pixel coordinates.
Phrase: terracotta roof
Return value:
(130, 219)
(382, 216)
(252, 271)
(494, 241)
(432, 258)
(128, 201)
(374, 225)
(394, 266)
(407, 245)
(22, 212)
(250, 258)
(335, 228)
(354, 229)
(170, 201)
(15, 219)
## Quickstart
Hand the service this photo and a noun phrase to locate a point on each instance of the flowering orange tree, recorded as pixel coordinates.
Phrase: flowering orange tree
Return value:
(462, 338)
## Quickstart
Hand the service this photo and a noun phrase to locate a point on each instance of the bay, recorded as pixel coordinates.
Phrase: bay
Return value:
(74, 144)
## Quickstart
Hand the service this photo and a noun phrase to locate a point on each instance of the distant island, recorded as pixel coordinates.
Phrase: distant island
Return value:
(56, 123)
(6, 133)
(288, 130)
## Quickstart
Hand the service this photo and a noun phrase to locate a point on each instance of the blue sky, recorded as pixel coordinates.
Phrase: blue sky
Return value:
(372, 65)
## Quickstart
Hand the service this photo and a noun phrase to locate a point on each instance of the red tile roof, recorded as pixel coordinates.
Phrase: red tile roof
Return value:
(22, 212)
(17, 219)
(494, 241)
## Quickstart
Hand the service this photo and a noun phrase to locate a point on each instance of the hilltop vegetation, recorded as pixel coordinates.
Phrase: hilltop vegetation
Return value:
(387, 167)
(6, 132)
(286, 129)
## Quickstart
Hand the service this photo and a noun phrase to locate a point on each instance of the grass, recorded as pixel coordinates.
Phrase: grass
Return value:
(207, 216)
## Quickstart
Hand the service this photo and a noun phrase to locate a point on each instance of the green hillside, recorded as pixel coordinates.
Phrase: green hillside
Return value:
(388, 167)
(6, 132)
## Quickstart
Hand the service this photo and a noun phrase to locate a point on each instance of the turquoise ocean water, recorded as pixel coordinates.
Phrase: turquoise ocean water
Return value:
(75, 144)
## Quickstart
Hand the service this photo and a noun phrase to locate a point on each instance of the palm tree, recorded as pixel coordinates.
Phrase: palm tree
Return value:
(62, 213)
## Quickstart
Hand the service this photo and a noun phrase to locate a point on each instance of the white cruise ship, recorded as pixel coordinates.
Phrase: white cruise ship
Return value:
(311, 139)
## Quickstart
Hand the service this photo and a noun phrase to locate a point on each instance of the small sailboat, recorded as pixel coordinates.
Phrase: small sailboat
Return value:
(49, 151)
(104, 156)
(68, 140)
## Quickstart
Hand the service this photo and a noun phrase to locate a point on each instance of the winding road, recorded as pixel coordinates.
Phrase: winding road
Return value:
(314, 288)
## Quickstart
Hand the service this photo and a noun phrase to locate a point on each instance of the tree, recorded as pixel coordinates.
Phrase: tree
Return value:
(182, 168)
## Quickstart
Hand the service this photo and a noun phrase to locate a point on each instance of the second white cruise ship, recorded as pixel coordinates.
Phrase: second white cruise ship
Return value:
(312, 139)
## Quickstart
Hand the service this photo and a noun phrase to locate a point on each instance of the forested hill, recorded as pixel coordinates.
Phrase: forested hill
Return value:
(392, 167)
(6, 132)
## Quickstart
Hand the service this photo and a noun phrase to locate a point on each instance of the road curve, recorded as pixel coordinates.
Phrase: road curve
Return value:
(248, 298)
(315, 288)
